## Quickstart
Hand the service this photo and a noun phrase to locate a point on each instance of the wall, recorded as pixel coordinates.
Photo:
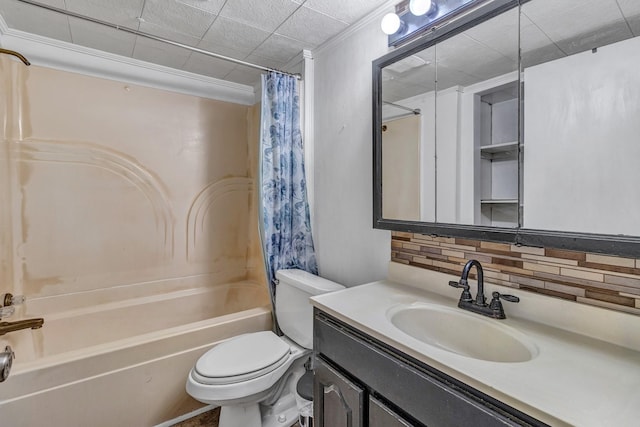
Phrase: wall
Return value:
(594, 279)
(112, 184)
(348, 249)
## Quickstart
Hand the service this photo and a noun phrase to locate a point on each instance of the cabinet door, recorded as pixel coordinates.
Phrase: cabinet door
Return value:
(380, 415)
(338, 402)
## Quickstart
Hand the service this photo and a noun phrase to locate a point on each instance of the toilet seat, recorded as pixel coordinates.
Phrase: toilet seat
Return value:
(242, 358)
(268, 369)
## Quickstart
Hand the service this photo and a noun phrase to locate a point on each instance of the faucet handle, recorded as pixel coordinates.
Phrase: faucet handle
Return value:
(496, 305)
(6, 360)
(10, 299)
(466, 295)
(460, 284)
(511, 298)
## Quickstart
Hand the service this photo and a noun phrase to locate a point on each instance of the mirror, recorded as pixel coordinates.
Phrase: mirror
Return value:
(518, 123)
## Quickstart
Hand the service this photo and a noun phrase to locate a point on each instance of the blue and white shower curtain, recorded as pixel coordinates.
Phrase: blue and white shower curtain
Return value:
(286, 227)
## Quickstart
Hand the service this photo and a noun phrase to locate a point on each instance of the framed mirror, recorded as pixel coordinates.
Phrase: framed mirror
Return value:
(515, 122)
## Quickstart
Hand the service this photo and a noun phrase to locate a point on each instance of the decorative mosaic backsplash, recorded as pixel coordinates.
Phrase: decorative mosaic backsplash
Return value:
(606, 281)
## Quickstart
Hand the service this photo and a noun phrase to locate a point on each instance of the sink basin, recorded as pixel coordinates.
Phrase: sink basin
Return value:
(465, 334)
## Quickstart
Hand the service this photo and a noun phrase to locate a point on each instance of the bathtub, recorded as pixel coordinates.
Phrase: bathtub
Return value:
(120, 358)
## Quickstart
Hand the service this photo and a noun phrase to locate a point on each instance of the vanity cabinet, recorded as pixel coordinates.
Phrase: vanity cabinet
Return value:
(362, 382)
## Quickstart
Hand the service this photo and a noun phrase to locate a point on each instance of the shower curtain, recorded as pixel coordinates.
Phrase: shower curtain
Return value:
(286, 227)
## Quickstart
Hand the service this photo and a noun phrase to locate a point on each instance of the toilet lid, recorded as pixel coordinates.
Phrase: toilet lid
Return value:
(242, 358)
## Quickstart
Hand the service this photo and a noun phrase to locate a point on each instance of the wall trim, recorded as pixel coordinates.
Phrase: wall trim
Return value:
(308, 131)
(60, 55)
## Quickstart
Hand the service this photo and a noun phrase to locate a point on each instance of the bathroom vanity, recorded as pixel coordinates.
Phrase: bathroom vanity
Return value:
(391, 354)
(362, 381)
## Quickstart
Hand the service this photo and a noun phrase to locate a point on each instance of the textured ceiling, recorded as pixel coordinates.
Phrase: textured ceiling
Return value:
(548, 29)
(266, 32)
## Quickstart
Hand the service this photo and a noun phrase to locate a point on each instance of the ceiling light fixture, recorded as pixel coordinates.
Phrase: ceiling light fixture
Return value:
(390, 23)
(419, 7)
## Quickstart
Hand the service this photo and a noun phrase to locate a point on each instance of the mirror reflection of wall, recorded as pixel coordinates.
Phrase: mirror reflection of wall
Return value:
(552, 147)
(408, 86)
(401, 151)
(581, 127)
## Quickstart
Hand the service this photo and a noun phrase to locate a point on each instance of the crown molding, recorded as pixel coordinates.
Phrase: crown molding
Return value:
(375, 15)
(47, 52)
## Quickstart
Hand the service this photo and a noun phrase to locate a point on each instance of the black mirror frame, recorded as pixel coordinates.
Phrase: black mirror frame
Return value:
(620, 245)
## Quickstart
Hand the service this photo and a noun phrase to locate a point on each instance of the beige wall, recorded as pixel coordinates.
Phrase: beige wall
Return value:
(112, 184)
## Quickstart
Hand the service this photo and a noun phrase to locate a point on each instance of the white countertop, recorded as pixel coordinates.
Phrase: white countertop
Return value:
(575, 379)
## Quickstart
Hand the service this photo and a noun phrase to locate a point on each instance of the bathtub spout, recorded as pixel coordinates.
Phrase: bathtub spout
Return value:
(6, 327)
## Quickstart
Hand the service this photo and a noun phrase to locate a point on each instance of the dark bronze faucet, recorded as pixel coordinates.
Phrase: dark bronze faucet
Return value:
(6, 327)
(479, 305)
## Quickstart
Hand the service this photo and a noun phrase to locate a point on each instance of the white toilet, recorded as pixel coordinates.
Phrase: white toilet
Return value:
(253, 376)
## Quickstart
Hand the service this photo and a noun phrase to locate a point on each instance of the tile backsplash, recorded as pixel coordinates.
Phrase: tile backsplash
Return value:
(601, 280)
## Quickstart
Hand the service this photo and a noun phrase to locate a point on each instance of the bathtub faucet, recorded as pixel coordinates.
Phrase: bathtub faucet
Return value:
(6, 327)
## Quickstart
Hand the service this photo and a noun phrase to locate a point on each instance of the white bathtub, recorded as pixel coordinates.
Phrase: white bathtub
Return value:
(105, 360)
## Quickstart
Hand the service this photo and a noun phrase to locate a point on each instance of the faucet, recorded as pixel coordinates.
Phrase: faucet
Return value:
(479, 305)
(6, 327)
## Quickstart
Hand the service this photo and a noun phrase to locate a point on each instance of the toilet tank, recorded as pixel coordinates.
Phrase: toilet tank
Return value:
(293, 308)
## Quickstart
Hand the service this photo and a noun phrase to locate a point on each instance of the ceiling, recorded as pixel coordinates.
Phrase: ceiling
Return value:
(546, 29)
(270, 33)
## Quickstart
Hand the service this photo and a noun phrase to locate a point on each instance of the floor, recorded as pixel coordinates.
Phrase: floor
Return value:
(206, 419)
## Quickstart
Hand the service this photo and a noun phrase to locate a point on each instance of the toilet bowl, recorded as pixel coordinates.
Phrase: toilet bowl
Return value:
(253, 376)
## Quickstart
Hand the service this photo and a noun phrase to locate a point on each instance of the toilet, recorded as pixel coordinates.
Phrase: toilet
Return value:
(253, 377)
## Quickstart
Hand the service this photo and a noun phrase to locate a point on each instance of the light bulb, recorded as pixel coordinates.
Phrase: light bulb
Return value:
(419, 7)
(390, 23)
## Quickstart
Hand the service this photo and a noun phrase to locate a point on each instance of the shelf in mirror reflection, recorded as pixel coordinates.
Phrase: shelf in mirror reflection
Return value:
(504, 151)
(499, 201)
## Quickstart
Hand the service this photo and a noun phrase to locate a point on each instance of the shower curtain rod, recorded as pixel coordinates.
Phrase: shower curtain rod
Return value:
(160, 39)
(415, 111)
(17, 55)
(396, 117)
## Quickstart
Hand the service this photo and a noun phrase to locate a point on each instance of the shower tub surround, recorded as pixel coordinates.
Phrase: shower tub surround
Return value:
(594, 279)
(128, 219)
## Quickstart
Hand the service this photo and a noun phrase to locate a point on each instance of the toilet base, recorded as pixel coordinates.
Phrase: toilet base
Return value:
(240, 416)
(282, 412)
